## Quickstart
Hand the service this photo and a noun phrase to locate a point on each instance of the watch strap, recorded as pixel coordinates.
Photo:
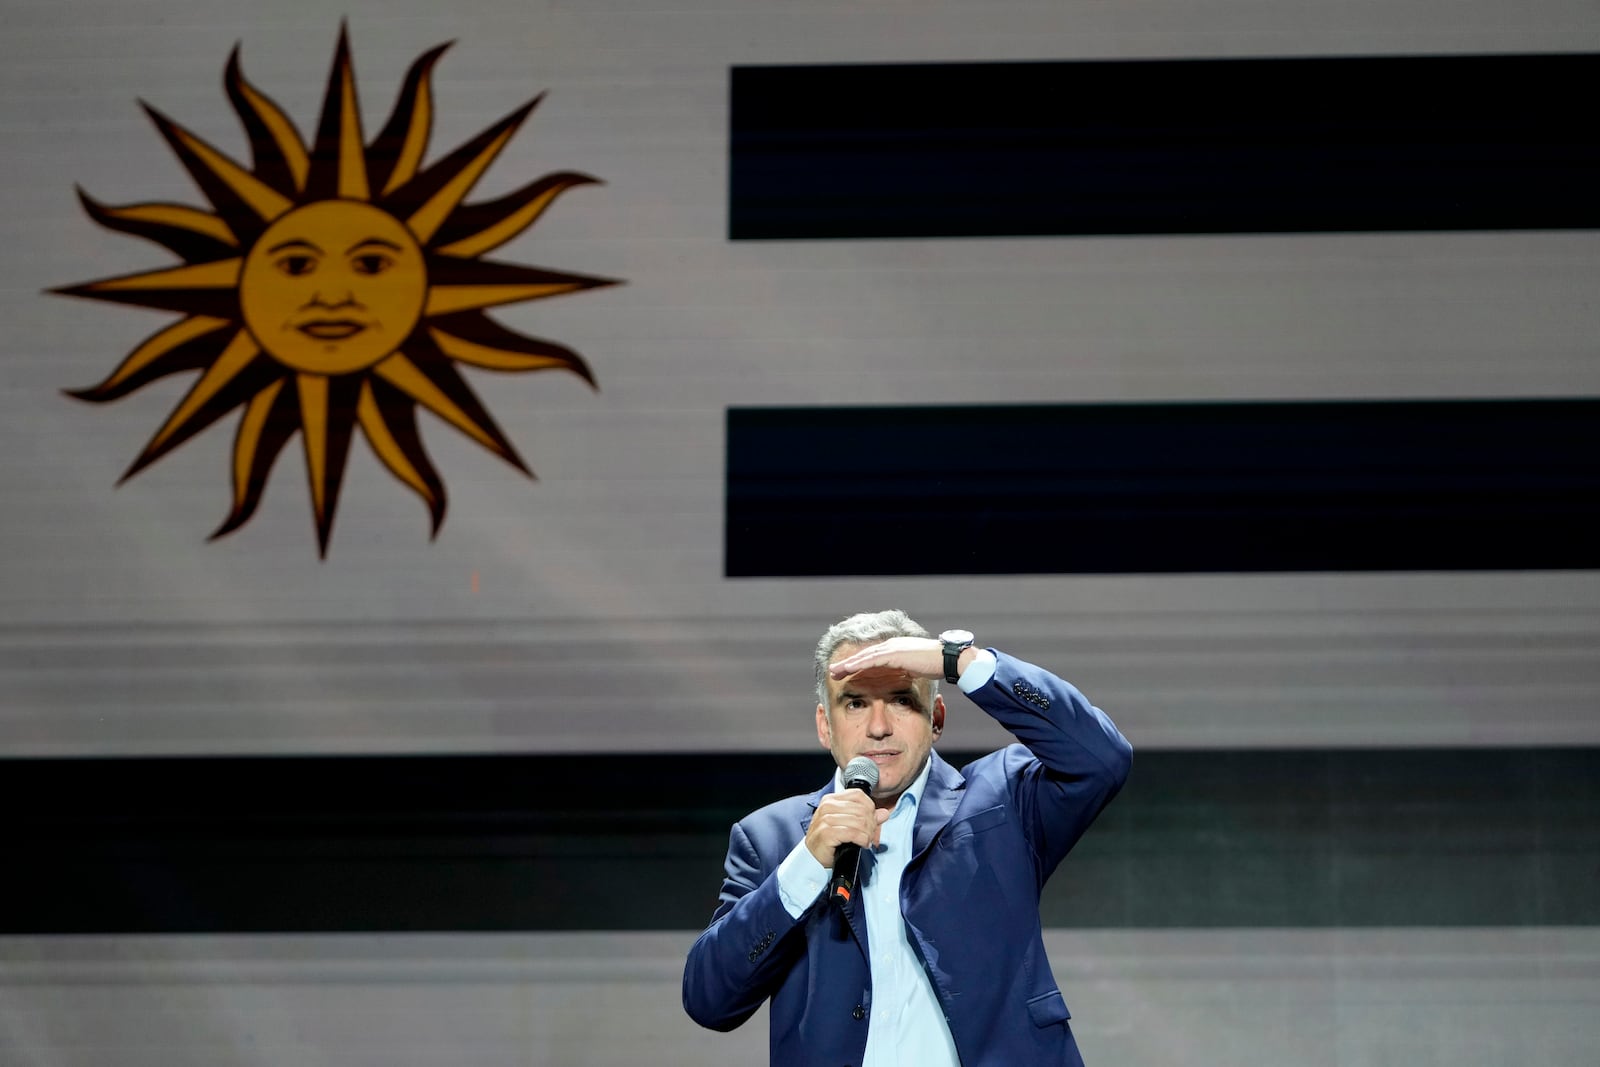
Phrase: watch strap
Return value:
(952, 655)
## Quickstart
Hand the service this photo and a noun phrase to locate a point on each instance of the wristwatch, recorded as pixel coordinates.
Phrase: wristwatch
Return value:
(955, 642)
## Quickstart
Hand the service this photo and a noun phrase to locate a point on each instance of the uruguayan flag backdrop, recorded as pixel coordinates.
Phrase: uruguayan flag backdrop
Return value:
(1238, 363)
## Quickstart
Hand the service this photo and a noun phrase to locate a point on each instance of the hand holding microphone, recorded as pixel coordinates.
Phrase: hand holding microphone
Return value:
(846, 822)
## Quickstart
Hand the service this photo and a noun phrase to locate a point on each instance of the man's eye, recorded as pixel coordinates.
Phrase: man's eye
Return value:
(373, 263)
(294, 266)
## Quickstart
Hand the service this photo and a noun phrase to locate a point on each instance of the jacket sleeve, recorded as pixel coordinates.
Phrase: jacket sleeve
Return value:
(1071, 762)
(742, 957)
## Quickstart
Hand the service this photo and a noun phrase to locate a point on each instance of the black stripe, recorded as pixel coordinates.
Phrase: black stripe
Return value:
(1163, 488)
(1167, 146)
(1203, 839)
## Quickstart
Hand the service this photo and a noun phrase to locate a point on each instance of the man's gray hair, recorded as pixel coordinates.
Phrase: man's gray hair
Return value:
(867, 628)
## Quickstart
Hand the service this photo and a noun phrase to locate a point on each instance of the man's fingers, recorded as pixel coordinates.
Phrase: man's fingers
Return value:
(827, 834)
(848, 830)
(919, 656)
(847, 818)
(852, 833)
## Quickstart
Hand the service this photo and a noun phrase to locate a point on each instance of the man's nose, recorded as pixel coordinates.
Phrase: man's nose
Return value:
(878, 722)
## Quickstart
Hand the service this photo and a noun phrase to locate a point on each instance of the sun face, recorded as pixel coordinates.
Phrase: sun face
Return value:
(332, 287)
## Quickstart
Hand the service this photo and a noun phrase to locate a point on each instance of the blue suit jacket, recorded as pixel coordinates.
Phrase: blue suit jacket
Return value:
(985, 840)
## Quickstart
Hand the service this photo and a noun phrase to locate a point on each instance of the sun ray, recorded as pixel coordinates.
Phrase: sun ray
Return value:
(279, 423)
(466, 285)
(401, 451)
(219, 274)
(226, 184)
(393, 158)
(256, 376)
(327, 417)
(146, 363)
(352, 150)
(404, 374)
(313, 392)
(197, 289)
(444, 300)
(193, 234)
(278, 152)
(338, 157)
(485, 227)
(487, 344)
(252, 429)
(171, 216)
(234, 359)
(344, 393)
(269, 420)
(453, 177)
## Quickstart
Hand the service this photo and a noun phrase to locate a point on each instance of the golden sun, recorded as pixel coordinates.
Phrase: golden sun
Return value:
(335, 283)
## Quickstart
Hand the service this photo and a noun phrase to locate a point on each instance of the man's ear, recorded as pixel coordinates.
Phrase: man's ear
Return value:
(938, 714)
(824, 729)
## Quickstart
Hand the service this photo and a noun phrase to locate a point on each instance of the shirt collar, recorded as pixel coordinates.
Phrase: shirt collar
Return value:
(913, 793)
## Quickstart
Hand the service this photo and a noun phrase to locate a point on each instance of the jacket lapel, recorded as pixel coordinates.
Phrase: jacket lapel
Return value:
(938, 804)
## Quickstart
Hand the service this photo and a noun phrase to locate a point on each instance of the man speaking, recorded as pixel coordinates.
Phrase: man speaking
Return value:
(894, 920)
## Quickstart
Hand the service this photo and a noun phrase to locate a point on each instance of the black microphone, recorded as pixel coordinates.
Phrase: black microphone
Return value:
(860, 773)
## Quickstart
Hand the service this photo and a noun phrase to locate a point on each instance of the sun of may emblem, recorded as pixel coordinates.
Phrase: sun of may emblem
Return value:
(334, 283)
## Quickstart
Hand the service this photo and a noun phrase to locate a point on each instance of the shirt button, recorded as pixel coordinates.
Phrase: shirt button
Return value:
(858, 1012)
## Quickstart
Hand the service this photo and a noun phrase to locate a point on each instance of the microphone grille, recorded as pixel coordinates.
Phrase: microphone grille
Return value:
(861, 769)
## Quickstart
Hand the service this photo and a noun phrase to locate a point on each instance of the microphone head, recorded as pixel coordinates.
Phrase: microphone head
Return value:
(860, 773)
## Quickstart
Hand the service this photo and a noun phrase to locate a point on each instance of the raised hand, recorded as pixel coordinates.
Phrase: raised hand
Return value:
(920, 657)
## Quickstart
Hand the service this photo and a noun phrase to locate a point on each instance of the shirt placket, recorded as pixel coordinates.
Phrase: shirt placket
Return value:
(889, 952)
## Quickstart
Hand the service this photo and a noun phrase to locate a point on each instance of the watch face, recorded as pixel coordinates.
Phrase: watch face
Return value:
(956, 637)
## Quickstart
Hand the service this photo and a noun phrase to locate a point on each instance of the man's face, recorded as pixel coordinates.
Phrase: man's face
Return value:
(884, 715)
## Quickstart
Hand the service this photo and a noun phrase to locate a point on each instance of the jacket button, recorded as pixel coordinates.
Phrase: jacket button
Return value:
(858, 1012)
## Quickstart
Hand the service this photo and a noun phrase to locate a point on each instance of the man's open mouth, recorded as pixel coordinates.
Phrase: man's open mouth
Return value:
(332, 329)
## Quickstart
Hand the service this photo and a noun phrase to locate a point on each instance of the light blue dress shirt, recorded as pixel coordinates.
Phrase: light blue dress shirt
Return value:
(907, 1027)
